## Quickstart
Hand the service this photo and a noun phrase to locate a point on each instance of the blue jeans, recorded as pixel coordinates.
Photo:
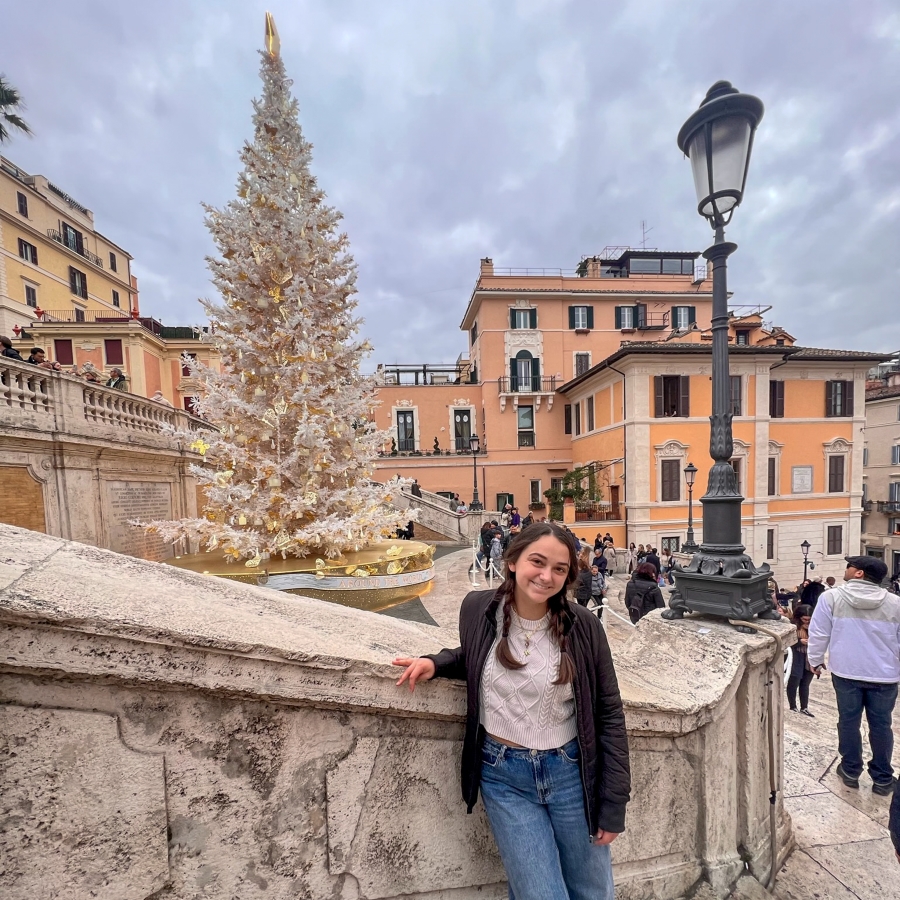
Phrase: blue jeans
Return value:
(535, 805)
(878, 701)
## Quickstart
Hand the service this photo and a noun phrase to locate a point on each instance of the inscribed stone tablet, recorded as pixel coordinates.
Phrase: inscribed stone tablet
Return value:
(143, 501)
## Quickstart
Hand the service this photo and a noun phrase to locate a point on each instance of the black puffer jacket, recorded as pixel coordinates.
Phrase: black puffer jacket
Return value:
(642, 595)
(605, 770)
(583, 587)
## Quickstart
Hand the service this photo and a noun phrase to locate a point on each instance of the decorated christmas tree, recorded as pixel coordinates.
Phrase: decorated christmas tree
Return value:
(288, 471)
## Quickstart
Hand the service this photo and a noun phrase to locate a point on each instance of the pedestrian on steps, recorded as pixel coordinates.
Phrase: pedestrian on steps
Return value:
(801, 675)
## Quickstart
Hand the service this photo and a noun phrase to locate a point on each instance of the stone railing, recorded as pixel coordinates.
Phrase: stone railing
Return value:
(255, 744)
(35, 398)
(434, 512)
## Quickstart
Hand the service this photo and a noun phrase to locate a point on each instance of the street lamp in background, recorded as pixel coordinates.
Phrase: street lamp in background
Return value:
(805, 548)
(475, 446)
(721, 578)
(690, 545)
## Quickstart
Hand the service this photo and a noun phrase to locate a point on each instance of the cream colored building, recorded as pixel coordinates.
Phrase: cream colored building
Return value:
(52, 257)
(881, 498)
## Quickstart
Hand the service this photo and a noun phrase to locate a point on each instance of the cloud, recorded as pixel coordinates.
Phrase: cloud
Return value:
(532, 131)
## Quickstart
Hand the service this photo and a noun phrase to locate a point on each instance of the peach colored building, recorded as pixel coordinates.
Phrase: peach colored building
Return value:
(530, 331)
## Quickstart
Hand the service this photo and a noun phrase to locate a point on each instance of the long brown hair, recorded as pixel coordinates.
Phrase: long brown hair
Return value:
(557, 604)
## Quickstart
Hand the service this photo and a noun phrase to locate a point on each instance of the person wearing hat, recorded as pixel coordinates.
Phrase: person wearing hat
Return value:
(858, 623)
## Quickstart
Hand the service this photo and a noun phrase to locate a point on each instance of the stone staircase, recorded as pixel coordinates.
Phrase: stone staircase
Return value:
(435, 514)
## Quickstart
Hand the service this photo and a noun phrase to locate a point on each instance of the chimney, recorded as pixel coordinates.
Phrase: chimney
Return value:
(487, 266)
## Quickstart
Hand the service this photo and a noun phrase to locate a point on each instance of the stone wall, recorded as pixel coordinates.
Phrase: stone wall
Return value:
(81, 460)
(170, 735)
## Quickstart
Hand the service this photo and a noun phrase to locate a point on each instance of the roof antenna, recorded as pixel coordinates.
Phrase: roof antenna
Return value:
(644, 232)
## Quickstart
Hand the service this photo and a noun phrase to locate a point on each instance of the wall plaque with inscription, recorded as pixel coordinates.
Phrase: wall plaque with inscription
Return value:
(143, 501)
(801, 479)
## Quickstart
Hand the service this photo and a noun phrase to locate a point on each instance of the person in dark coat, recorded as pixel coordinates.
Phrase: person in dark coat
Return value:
(8, 350)
(653, 559)
(801, 675)
(583, 584)
(414, 489)
(642, 593)
(812, 592)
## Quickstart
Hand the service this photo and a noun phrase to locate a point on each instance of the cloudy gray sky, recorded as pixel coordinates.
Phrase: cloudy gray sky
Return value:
(532, 131)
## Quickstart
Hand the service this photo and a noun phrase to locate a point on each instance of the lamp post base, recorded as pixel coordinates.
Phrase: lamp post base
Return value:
(720, 584)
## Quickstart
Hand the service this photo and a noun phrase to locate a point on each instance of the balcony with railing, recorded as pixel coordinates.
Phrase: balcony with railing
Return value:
(532, 385)
(597, 511)
(888, 507)
(75, 247)
(420, 375)
(115, 317)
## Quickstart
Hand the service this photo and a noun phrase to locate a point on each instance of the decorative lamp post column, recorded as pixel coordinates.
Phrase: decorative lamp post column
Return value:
(474, 446)
(805, 548)
(721, 578)
(690, 545)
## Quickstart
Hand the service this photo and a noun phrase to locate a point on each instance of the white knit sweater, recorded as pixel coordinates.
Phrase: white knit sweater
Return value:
(523, 706)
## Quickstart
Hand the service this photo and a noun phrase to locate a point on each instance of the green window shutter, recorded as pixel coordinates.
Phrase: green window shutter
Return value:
(684, 405)
(571, 317)
(640, 315)
(829, 398)
(73, 281)
(618, 317)
(512, 318)
(692, 314)
(536, 374)
(568, 418)
(658, 396)
(848, 404)
(532, 318)
(513, 379)
(590, 317)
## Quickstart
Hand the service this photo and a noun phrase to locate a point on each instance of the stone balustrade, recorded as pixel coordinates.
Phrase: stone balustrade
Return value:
(171, 735)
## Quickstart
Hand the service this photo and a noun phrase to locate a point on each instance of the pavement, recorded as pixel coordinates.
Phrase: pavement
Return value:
(844, 851)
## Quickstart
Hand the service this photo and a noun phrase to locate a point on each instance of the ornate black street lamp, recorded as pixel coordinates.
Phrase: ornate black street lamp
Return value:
(474, 446)
(690, 545)
(805, 548)
(721, 578)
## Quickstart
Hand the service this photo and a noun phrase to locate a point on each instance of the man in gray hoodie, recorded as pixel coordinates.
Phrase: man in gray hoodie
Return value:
(858, 622)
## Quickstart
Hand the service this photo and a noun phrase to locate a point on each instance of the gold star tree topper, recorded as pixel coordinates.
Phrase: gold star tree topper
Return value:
(273, 42)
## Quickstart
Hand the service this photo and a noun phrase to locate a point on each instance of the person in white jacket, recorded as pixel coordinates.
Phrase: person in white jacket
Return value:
(858, 623)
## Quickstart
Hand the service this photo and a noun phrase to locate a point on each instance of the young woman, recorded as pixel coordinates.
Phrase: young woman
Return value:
(583, 582)
(800, 676)
(632, 558)
(545, 734)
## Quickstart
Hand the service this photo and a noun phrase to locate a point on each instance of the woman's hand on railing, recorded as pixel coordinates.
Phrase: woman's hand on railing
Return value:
(418, 669)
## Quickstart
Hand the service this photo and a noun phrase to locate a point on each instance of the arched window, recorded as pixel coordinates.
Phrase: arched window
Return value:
(524, 373)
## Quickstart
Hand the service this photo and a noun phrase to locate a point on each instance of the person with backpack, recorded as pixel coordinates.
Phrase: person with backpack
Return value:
(642, 593)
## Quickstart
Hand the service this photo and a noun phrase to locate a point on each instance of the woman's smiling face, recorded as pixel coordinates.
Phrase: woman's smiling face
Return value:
(540, 571)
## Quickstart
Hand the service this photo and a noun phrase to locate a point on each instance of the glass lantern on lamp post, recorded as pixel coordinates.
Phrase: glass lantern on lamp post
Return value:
(475, 446)
(805, 548)
(721, 578)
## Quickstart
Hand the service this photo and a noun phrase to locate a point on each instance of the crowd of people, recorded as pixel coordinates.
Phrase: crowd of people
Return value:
(37, 356)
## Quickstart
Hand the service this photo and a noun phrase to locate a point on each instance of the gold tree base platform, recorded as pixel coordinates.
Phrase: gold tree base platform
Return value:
(383, 575)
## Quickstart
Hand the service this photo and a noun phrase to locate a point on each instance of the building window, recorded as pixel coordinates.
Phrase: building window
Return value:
(115, 296)
(835, 540)
(524, 373)
(670, 470)
(770, 543)
(406, 435)
(72, 238)
(839, 398)
(556, 484)
(462, 428)
(78, 283)
(185, 367)
(62, 351)
(568, 418)
(835, 474)
(582, 363)
(625, 317)
(645, 266)
(581, 318)
(895, 455)
(865, 456)
(22, 204)
(79, 314)
(113, 350)
(742, 339)
(894, 492)
(523, 318)
(683, 317)
(672, 544)
(526, 426)
(113, 262)
(736, 405)
(776, 399)
(577, 419)
(189, 404)
(773, 476)
(736, 465)
(589, 410)
(31, 296)
(474, 333)
(503, 499)
(672, 395)
(536, 492)
(28, 252)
